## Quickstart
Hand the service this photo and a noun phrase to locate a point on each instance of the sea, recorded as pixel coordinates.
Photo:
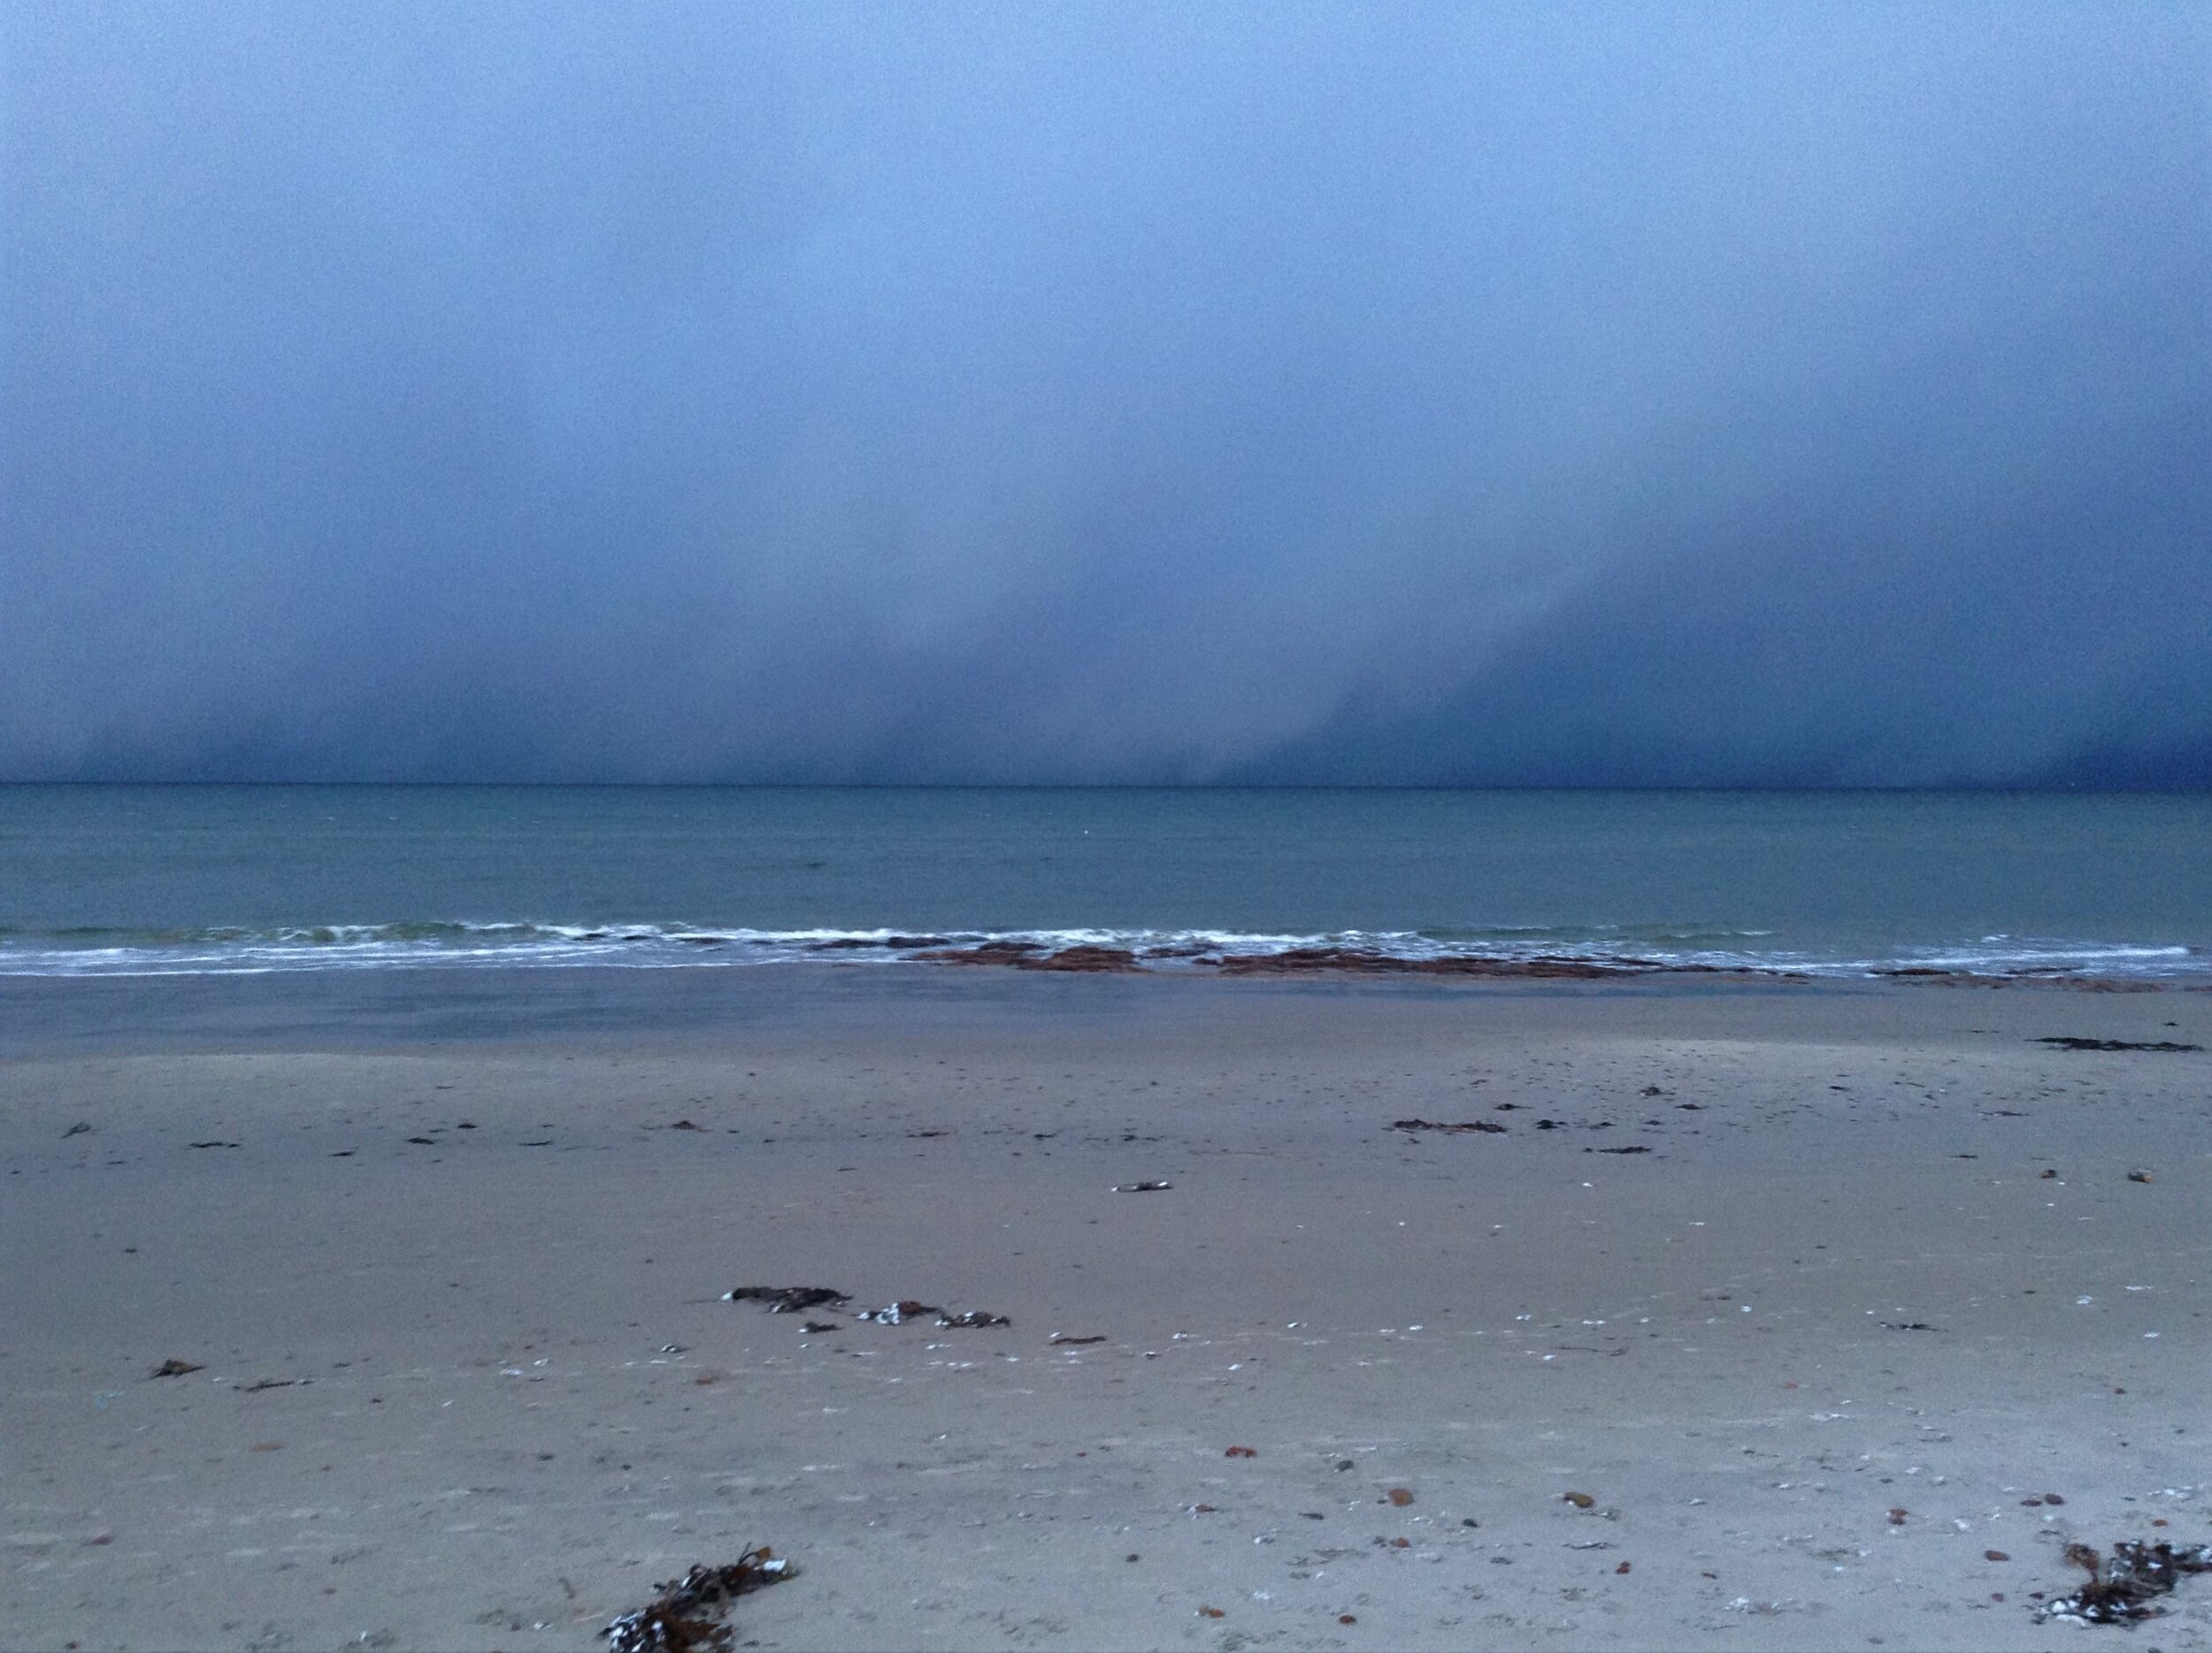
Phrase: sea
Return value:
(233, 880)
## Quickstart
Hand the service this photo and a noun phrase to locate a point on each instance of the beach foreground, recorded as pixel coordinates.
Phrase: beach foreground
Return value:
(1808, 1372)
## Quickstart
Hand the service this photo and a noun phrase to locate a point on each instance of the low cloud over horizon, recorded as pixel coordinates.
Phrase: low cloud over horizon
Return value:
(1428, 394)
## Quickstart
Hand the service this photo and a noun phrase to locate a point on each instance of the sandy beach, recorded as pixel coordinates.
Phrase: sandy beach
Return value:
(1775, 1317)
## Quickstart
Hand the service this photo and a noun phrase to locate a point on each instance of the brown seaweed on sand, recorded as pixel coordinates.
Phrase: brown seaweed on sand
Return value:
(2064, 1044)
(686, 1616)
(1002, 952)
(786, 1299)
(1033, 955)
(1087, 959)
(1490, 1125)
(1299, 959)
(2128, 1587)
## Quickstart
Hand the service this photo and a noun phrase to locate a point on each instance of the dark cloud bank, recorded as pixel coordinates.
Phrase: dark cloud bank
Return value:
(1806, 395)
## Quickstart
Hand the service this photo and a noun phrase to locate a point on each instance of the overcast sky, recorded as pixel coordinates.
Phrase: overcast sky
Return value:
(1762, 394)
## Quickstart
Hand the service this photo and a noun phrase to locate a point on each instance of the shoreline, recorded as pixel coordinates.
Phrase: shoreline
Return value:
(452, 1277)
(503, 1005)
(1187, 955)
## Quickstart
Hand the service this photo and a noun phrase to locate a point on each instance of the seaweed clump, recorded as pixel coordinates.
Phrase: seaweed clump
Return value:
(2128, 1587)
(2064, 1044)
(686, 1616)
(787, 1299)
(1466, 1125)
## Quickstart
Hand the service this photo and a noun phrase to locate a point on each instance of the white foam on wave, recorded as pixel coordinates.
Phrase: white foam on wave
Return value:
(513, 943)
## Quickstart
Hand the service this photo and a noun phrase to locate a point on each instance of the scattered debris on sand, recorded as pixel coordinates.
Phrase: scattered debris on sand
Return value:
(1240, 1451)
(2127, 1588)
(892, 1314)
(786, 1299)
(1061, 1340)
(971, 1319)
(1142, 1188)
(2064, 1043)
(174, 1368)
(1489, 1125)
(686, 1616)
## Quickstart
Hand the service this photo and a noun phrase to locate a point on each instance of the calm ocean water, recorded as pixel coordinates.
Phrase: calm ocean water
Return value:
(128, 881)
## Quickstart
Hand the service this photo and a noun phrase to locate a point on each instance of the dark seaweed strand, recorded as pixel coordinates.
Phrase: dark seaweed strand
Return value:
(686, 1617)
(2128, 1587)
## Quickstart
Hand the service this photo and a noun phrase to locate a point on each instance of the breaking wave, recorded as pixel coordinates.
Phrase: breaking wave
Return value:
(1505, 951)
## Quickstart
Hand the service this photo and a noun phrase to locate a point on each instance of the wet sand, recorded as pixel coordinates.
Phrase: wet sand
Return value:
(466, 1380)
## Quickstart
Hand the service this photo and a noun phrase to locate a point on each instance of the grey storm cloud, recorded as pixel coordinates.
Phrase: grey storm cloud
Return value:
(1713, 394)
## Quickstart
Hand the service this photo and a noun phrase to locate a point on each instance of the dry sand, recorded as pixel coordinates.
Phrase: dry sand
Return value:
(466, 1380)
